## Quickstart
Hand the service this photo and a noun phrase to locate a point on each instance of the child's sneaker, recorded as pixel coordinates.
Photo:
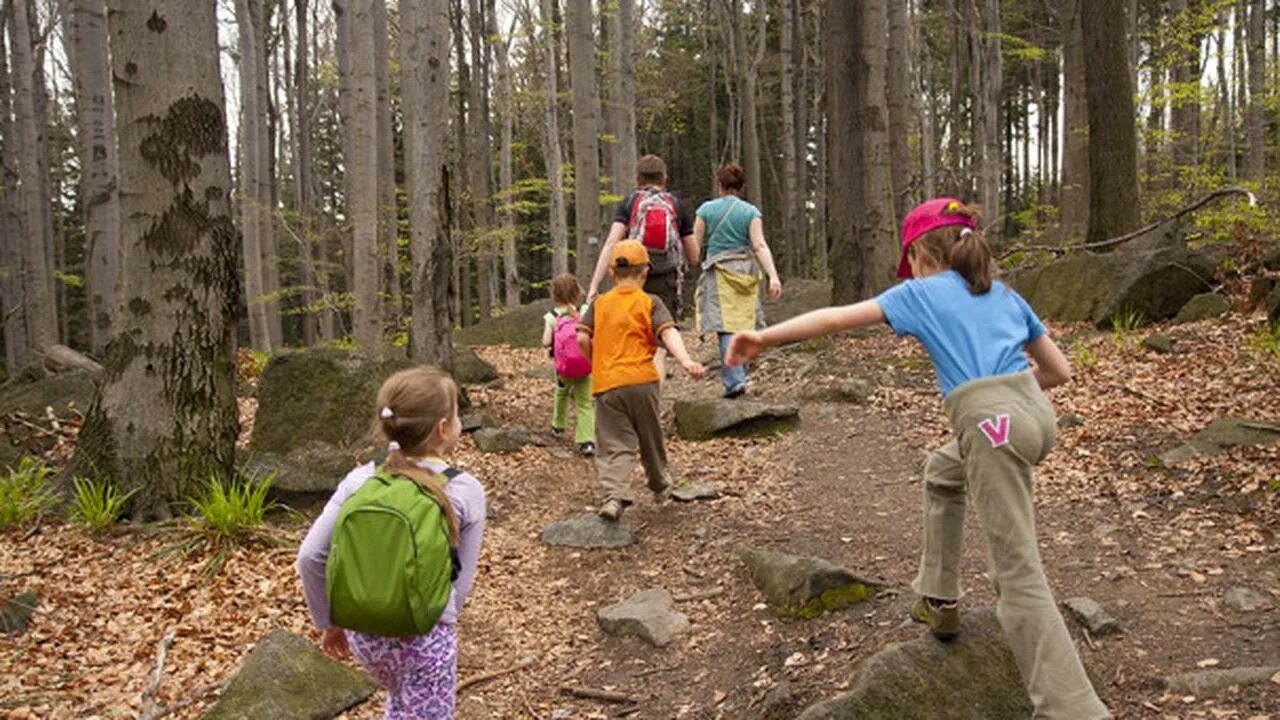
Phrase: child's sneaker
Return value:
(942, 617)
(557, 432)
(610, 510)
(662, 495)
(587, 448)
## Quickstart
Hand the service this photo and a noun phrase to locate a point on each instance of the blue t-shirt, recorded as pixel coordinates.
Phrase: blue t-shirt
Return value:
(967, 336)
(731, 232)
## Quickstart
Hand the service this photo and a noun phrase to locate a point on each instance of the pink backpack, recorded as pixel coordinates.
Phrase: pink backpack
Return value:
(570, 362)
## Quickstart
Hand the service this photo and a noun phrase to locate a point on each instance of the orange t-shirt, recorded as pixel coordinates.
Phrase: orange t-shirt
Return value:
(625, 324)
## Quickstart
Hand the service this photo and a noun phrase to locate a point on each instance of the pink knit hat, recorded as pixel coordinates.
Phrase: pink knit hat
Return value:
(930, 215)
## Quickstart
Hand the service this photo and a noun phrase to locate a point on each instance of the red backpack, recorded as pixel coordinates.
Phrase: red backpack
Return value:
(570, 362)
(654, 224)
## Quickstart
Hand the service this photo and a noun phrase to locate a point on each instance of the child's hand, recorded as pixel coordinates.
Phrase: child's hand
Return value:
(775, 288)
(694, 368)
(335, 644)
(744, 347)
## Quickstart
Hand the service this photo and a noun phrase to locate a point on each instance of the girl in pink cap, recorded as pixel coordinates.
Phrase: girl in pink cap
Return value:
(978, 333)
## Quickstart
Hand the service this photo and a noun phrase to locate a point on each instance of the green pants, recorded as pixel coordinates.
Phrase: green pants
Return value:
(579, 389)
(1004, 426)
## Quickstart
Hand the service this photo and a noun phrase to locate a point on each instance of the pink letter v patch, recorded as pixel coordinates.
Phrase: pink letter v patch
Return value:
(996, 429)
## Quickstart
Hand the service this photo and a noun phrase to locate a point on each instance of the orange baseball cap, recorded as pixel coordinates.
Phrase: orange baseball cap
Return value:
(629, 253)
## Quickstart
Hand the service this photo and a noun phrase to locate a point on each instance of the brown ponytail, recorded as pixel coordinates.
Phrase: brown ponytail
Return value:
(411, 404)
(960, 249)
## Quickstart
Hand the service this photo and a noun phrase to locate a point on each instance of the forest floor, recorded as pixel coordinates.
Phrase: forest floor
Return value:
(1157, 547)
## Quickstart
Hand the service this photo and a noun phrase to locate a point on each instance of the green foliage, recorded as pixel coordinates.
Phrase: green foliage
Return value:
(25, 494)
(1082, 356)
(228, 511)
(1127, 320)
(69, 279)
(1267, 341)
(97, 504)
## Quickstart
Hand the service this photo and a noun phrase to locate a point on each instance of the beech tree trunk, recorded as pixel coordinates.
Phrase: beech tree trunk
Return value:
(248, 18)
(96, 145)
(898, 96)
(792, 202)
(303, 182)
(480, 137)
(558, 226)
(166, 418)
(1075, 133)
(362, 174)
(624, 104)
(17, 349)
(586, 147)
(388, 214)
(1255, 118)
(877, 223)
(425, 83)
(1185, 103)
(510, 266)
(1113, 157)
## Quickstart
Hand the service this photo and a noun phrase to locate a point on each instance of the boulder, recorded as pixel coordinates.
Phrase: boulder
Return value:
(973, 677)
(16, 612)
(471, 369)
(518, 327)
(851, 390)
(286, 677)
(690, 491)
(1154, 275)
(62, 393)
(501, 440)
(1209, 682)
(804, 587)
(1259, 289)
(1159, 343)
(1202, 307)
(1246, 600)
(475, 421)
(320, 394)
(302, 475)
(588, 531)
(1091, 615)
(704, 419)
(648, 614)
(1225, 433)
(799, 296)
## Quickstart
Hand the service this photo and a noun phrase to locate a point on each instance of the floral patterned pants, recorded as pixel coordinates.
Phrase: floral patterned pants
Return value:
(420, 673)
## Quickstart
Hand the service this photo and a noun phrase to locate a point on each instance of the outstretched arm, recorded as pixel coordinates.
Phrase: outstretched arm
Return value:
(1052, 367)
(616, 231)
(675, 345)
(827, 321)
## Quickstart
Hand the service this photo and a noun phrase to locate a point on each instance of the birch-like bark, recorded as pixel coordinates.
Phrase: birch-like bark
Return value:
(362, 168)
(558, 225)
(586, 146)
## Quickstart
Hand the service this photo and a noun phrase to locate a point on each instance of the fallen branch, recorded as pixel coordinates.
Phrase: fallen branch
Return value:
(1145, 396)
(486, 677)
(593, 694)
(150, 709)
(1184, 593)
(1089, 639)
(700, 595)
(1060, 249)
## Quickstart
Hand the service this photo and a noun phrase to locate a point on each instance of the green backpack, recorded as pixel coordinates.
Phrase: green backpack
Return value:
(390, 564)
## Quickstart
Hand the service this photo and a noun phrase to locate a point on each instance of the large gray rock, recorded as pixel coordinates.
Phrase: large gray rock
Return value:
(1225, 433)
(287, 678)
(501, 440)
(1091, 615)
(471, 369)
(1209, 682)
(690, 491)
(518, 327)
(1246, 600)
(973, 677)
(588, 531)
(648, 614)
(799, 296)
(1202, 307)
(708, 418)
(321, 394)
(1155, 276)
(804, 587)
(1159, 343)
(61, 392)
(303, 474)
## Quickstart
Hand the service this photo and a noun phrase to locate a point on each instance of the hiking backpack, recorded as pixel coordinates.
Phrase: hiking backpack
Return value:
(654, 223)
(570, 362)
(390, 566)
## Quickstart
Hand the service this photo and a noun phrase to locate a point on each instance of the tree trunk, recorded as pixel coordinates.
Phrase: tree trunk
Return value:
(986, 74)
(362, 172)
(248, 17)
(1185, 105)
(481, 136)
(877, 224)
(38, 304)
(792, 207)
(898, 95)
(1075, 133)
(388, 214)
(166, 417)
(506, 106)
(820, 259)
(303, 189)
(96, 145)
(748, 72)
(267, 190)
(17, 350)
(462, 211)
(1255, 118)
(624, 112)
(425, 82)
(558, 229)
(1113, 160)
(586, 147)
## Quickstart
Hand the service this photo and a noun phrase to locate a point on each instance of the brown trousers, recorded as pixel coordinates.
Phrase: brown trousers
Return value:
(1004, 426)
(627, 422)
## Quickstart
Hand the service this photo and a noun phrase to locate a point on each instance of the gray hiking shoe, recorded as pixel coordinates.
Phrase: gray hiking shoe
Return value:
(943, 619)
(610, 510)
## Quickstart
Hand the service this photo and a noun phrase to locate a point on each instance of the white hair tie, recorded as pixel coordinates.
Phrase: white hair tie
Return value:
(966, 231)
(387, 413)
(393, 446)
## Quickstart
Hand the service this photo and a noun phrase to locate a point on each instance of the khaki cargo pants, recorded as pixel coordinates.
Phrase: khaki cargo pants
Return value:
(627, 422)
(1004, 426)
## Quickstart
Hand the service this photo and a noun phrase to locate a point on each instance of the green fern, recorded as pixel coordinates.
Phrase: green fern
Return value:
(25, 494)
(97, 504)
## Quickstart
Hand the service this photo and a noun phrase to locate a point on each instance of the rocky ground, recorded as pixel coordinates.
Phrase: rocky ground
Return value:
(1159, 547)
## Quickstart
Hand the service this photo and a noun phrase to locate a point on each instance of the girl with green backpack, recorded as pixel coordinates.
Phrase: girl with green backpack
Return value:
(388, 564)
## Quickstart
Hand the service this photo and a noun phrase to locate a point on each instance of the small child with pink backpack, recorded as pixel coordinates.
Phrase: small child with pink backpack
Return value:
(573, 369)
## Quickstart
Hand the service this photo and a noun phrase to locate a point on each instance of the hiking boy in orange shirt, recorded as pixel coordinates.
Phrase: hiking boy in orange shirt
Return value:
(620, 334)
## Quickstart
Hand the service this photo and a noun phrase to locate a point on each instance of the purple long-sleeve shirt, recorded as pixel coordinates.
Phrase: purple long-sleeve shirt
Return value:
(464, 491)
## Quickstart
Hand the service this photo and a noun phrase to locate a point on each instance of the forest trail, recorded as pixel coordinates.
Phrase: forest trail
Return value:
(1158, 548)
